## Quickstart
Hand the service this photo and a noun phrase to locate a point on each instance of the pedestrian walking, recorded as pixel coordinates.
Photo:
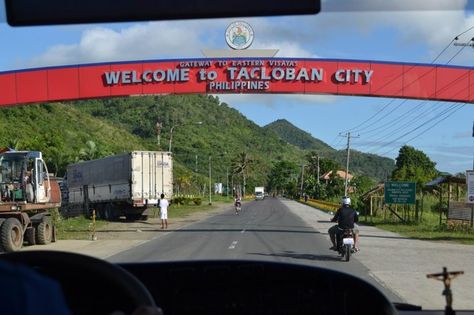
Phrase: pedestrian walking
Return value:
(164, 204)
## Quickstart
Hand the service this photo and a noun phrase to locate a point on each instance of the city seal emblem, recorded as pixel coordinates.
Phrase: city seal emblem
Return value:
(239, 35)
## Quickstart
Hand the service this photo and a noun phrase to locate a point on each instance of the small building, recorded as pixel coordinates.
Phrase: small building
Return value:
(340, 173)
(452, 202)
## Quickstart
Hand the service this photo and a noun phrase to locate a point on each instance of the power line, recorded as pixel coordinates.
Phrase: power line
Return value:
(416, 128)
(433, 61)
(431, 127)
(400, 118)
(393, 132)
(370, 118)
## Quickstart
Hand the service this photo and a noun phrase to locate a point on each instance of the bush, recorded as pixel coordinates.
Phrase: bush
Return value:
(437, 207)
(56, 217)
(178, 200)
(187, 201)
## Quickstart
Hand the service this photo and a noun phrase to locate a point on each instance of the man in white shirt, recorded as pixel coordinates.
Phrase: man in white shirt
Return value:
(164, 204)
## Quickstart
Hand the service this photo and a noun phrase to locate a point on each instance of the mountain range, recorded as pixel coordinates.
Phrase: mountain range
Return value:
(205, 131)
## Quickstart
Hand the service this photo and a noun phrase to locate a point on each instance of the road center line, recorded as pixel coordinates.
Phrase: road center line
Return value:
(232, 246)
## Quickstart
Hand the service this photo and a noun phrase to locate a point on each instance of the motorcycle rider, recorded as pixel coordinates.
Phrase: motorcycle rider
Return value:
(237, 202)
(345, 217)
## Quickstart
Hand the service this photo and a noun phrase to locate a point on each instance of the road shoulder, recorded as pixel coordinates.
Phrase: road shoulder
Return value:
(401, 264)
(116, 237)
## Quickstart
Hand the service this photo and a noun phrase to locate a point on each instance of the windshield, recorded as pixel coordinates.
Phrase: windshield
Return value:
(11, 168)
(289, 114)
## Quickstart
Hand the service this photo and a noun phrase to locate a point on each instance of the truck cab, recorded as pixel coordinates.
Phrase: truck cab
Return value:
(259, 193)
(24, 177)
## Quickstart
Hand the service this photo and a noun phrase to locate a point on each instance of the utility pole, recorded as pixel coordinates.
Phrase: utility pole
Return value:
(210, 198)
(317, 168)
(196, 168)
(227, 179)
(302, 180)
(158, 127)
(349, 136)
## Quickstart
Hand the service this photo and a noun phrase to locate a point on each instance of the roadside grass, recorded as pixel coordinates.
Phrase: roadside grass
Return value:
(79, 228)
(181, 211)
(428, 229)
(220, 198)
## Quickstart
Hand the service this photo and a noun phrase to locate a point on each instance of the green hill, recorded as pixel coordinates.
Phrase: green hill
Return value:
(67, 132)
(60, 131)
(362, 163)
(292, 134)
(63, 132)
(223, 134)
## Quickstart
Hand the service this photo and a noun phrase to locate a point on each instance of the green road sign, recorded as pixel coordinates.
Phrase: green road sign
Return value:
(403, 193)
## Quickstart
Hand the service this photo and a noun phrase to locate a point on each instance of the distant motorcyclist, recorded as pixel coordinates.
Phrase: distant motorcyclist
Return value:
(345, 218)
(237, 203)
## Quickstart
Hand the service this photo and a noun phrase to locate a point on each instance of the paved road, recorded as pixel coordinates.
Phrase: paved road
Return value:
(265, 230)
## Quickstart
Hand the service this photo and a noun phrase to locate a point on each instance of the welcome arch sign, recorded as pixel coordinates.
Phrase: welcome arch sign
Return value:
(238, 75)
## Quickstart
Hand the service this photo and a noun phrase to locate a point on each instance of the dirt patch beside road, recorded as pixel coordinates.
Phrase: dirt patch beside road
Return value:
(118, 236)
(146, 230)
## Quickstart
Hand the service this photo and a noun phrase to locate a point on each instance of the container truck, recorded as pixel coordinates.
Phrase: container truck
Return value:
(27, 193)
(259, 193)
(120, 185)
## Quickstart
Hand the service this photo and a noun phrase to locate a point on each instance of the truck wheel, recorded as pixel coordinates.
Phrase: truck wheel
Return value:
(30, 237)
(54, 237)
(1, 222)
(44, 233)
(134, 216)
(11, 235)
(109, 213)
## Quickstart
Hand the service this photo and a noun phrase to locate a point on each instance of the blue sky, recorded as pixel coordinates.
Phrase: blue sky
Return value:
(407, 36)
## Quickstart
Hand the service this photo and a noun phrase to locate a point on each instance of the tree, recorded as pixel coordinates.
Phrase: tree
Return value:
(90, 152)
(362, 184)
(313, 188)
(239, 166)
(414, 165)
(282, 175)
(326, 165)
(335, 186)
(184, 182)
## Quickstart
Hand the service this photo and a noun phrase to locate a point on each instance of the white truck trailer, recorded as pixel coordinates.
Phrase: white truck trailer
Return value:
(259, 193)
(119, 185)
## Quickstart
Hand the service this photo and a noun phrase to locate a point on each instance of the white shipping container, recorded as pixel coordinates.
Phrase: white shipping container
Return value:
(137, 178)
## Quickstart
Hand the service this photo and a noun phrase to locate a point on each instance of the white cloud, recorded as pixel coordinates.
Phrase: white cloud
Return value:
(433, 27)
(294, 36)
(156, 40)
(274, 100)
(383, 5)
(140, 41)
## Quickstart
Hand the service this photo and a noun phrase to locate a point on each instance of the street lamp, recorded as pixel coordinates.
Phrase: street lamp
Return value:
(158, 127)
(172, 128)
(210, 181)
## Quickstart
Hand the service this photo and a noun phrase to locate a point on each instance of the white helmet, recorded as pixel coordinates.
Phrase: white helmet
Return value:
(346, 201)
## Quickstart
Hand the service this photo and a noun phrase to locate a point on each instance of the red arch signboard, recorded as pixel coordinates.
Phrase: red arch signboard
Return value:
(238, 75)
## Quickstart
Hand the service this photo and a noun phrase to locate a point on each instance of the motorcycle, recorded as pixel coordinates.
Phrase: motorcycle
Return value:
(238, 207)
(345, 242)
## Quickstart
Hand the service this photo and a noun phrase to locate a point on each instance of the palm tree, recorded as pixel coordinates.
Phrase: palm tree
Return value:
(240, 165)
(90, 152)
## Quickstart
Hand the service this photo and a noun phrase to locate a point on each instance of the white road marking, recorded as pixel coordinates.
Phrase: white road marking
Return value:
(232, 246)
